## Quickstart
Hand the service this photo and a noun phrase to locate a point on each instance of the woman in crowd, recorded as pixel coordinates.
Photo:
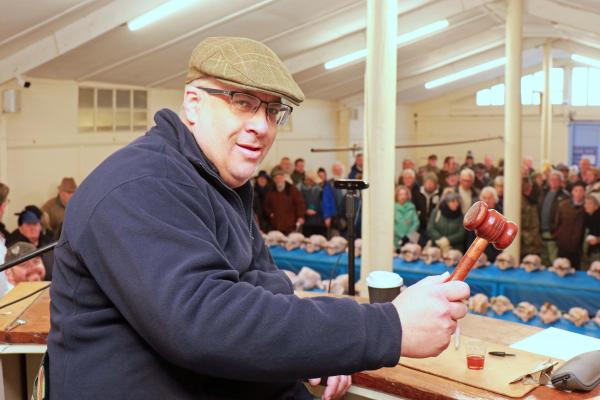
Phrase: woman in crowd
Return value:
(445, 226)
(592, 230)
(406, 220)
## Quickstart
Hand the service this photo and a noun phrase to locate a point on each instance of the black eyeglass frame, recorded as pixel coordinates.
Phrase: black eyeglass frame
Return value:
(231, 93)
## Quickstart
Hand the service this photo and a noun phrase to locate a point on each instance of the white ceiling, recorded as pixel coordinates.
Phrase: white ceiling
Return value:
(88, 40)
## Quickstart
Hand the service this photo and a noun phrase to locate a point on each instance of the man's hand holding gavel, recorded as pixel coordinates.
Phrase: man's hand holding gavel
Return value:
(429, 309)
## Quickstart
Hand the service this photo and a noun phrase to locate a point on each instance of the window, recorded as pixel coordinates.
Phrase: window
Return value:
(532, 86)
(112, 110)
(584, 86)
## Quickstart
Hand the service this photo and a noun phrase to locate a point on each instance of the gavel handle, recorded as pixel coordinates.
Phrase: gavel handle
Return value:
(467, 262)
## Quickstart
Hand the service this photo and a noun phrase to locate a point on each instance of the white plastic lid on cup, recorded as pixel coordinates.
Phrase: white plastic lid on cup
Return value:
(384, 280)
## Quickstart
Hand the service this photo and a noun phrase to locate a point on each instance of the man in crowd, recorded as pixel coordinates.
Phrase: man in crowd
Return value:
(548, 206)
(450, 167)
(299, 172)
(431, 167)
(492, 171)
(469, 161)
(356, 172)
(481, 178)
(284, 205)
(570, 226)
(286, 165)
(160, 255)
(468, 194)
(29, 271)
(55, 207)
(338, 222)
(431, 193)
(591, 177)
(584, 166)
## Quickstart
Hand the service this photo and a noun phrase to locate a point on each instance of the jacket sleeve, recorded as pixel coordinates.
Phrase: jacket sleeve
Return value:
(152, 250)
(328, 202)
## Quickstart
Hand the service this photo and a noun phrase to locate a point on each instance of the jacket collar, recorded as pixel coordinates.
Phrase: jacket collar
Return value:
(170, 127)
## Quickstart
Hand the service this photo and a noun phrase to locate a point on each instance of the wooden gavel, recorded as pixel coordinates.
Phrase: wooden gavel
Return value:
(490, 227)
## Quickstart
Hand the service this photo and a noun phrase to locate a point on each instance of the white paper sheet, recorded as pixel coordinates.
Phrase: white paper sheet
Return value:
(558, 343)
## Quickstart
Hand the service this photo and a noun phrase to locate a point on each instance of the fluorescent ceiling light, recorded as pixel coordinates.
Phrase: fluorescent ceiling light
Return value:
(158, 13)
(466, 73)
(402, 39)
(586, 60)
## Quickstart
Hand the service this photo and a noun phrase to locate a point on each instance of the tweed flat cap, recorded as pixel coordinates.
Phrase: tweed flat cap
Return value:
(243, 63)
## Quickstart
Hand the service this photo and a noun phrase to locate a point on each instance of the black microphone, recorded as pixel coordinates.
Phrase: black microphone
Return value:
(27, 256)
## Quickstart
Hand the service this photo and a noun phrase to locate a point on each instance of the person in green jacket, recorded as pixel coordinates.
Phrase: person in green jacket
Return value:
(445, 226)
(406, 219)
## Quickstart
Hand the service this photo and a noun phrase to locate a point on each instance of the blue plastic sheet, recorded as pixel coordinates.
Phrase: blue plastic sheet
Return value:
(578, 290)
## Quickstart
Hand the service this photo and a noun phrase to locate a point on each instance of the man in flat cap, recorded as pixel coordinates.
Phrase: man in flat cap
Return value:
(55, 207)
(164, 288)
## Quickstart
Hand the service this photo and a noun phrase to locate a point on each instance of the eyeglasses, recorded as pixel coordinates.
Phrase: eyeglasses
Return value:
(244, 103)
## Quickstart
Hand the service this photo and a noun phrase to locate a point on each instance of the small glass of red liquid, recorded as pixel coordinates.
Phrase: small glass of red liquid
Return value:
(475, 354)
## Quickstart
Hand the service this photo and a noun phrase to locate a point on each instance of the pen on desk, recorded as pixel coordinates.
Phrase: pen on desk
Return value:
(501, 354)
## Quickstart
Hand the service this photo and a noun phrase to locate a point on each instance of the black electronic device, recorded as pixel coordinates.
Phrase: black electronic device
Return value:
(581, 373)
(350, 184)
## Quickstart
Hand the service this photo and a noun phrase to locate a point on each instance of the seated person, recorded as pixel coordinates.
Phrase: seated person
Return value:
(29, 271)
(31, 230)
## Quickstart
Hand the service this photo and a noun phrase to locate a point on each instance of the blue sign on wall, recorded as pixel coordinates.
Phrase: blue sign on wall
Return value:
(589, 152)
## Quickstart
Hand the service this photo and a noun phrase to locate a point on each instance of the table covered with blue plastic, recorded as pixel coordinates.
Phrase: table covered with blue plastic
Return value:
(578, 290)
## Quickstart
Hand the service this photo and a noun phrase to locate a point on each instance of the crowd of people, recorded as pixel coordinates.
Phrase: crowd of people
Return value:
(37, 227)
(560, 204)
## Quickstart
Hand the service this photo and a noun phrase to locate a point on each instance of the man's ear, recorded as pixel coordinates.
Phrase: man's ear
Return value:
(191, 102)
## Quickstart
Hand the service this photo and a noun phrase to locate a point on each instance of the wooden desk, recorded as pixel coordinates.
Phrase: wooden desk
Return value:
(412, 384)
(399, 381)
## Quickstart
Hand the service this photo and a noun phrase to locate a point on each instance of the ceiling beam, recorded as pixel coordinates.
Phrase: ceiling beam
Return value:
(563, 14)
(71, 36)
(178, 39)
(357, 40)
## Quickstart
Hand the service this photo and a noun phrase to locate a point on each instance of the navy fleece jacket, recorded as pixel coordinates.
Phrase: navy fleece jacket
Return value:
(163, 289)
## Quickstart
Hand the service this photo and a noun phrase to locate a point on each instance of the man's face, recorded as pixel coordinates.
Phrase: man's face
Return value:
(590, 206)
(337, 170)
(432, 162)
(300, 166)
(466, 182)
(554, 182)
(584, 164)
(430, 185)
(487, 160)
(452, 180)
(65, 197)
(286, 165)
(235, 143)
(589, 176)
(279, 180)
(489, 199)
(359, 160)
(408, 180)
(322, 175)
(578, 193)
(30, 271)
(31, 231)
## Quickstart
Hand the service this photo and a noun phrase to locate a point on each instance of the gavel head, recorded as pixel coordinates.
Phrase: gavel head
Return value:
(490, 225)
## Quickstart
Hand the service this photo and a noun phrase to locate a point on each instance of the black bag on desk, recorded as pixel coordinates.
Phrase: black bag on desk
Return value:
(579, 373)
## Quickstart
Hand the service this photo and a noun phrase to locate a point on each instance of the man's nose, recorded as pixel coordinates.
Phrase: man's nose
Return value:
(259, 122)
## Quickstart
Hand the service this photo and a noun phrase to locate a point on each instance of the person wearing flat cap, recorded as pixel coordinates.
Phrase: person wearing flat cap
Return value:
(163, 287)
(55, 207)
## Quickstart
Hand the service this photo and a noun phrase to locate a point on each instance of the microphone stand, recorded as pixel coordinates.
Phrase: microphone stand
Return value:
(353, 188)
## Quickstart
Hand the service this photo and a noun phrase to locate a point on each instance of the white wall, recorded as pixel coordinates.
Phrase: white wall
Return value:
(313, 125)
(43, 143)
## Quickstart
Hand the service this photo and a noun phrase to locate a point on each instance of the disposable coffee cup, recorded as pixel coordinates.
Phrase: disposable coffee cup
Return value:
(383, 286)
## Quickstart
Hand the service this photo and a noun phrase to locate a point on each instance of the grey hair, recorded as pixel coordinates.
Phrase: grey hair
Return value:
(491, 190)
(499, 180)
(410, 172)
(469, 172)
(556, 173)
